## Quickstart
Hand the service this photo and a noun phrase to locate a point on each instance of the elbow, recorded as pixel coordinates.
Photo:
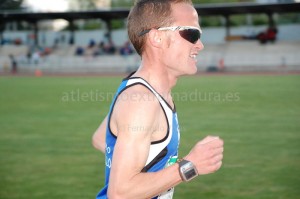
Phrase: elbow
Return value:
(121, 190)
(98, 144)
(114, 195)
(117, 194)
(94, 143)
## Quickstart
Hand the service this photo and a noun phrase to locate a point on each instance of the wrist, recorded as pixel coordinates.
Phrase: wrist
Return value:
(187, 170)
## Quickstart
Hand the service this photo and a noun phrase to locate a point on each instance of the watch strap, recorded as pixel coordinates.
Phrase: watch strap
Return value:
(182, 162)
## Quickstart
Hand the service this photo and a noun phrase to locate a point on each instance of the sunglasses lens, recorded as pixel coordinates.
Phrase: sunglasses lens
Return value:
(191, 35)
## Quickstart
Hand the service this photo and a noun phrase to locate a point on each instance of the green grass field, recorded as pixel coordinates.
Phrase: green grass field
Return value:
(46, 125)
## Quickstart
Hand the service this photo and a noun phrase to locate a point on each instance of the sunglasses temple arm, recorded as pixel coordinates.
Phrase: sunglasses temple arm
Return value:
(144, 32)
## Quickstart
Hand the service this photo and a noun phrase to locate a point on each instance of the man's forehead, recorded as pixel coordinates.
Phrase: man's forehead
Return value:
(184, 12)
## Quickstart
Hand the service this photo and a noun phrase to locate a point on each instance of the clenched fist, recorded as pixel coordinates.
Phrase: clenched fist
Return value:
(207, 155)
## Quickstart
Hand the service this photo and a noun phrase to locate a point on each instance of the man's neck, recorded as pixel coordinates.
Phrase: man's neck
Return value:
(160, 80)
(158, 77)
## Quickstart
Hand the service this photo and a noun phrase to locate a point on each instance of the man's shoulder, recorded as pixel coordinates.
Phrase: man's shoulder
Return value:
(138, 96)
(136, 107)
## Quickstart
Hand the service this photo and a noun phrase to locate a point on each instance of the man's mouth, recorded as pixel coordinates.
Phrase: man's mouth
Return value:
(194, 56)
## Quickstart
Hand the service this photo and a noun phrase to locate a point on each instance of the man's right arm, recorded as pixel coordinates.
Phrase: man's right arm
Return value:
(132, 149)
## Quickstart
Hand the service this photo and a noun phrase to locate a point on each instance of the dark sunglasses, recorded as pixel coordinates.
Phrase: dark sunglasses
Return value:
(189, 33)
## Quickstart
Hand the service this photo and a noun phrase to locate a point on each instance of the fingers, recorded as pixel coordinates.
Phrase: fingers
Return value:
(213, 143)
(214, 154)
(218, 150)
(218, 158)
(216, 167)
(210, 167)
(207, 155)
(214, 164)
(209, 139)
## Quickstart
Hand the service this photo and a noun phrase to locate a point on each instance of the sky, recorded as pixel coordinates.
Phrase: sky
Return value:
(48, 5)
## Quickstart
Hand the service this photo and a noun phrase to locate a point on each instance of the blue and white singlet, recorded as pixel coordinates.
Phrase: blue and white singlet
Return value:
(162, 154)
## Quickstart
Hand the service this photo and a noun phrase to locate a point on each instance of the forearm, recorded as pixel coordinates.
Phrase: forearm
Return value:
(146, 185)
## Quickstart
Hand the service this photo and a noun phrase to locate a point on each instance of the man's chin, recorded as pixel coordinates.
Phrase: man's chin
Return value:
(193, 72)
(189, 73)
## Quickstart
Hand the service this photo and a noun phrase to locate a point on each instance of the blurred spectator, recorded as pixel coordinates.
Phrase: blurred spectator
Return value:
(31, 40)
(28, 55)
(45, 51)
(14, 64)
(36, 57)
(104, 48)
(100, 50)
(17, 41)
(12, 41)
(92, 43)
(126, 49)
(268, 35)
(79, 51)
(110, 47)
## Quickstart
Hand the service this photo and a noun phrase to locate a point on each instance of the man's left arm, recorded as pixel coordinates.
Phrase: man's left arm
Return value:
(98, 139)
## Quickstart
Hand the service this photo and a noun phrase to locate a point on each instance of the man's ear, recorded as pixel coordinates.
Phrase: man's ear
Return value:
(155, 38)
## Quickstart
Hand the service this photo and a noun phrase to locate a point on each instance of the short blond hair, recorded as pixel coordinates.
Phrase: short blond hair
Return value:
(147, 14)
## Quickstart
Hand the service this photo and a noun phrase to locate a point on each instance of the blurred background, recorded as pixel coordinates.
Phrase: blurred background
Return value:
(61, 62)
(89, 36)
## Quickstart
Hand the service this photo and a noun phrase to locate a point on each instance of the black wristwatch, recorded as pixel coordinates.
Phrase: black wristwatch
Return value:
(187, 170)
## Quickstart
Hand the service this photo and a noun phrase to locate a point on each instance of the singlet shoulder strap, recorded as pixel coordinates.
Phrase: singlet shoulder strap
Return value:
(139, 80)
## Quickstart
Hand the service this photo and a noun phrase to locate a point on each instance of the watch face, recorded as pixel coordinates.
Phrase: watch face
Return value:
(190, 174)
(188, 171)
